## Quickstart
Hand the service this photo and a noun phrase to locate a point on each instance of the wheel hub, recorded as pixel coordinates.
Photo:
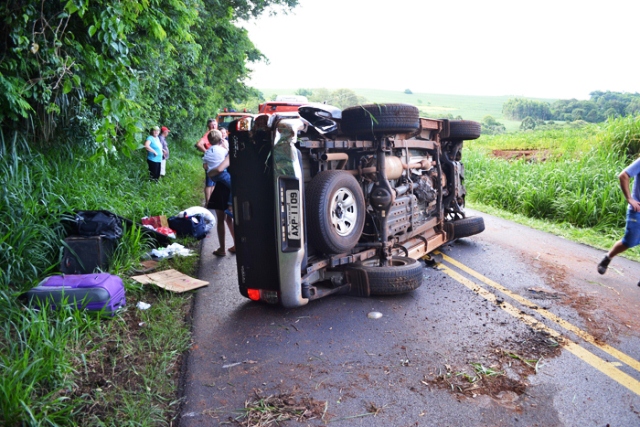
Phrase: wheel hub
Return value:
(344, 212)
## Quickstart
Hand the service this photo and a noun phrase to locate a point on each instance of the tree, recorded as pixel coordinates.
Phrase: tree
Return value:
(102, 71)
(528, 123)
(490, 126)
(304, 92)
(343, 98)
(520, 108)
(320, 95)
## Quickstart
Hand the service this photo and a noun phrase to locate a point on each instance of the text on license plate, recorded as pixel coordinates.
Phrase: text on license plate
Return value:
(293, 214)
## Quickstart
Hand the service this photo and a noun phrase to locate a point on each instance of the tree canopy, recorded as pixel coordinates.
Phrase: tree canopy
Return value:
(101, 72)
(600, 106)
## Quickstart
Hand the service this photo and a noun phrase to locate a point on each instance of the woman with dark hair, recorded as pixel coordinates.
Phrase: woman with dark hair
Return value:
(154, 153)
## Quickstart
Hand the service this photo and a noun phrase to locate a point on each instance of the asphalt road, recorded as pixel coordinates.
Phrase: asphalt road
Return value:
(513, 327)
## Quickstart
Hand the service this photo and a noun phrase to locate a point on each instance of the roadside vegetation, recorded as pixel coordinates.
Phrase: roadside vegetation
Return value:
(82, 82)
(70, 367)
(562, 180)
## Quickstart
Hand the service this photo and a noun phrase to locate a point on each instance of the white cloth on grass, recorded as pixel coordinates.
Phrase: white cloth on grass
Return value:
(207, 216)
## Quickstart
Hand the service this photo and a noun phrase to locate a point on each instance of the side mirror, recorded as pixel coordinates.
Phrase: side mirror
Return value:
(321, 117)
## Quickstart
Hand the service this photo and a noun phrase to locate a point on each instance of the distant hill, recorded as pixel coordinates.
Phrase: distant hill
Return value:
(435, 105)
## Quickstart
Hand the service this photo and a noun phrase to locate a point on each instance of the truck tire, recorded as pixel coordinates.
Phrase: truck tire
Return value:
(375, 119)
(402, 276)
(463, 130)
(466, 227)
(335, 211)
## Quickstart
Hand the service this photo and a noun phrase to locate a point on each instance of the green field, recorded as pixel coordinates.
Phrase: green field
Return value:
(434, 105)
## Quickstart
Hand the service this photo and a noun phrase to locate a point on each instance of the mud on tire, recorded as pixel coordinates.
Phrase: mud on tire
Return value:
(367, 121)
(335, 211)
(402, 276)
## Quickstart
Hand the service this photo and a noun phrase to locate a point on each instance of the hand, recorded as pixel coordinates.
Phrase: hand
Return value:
(635, 205)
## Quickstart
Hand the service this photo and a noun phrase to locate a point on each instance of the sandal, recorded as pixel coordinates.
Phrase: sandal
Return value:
(219, 252)
(232, 249)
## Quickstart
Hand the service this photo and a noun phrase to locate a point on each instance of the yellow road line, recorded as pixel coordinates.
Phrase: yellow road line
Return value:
(601, 365)
(628, 360)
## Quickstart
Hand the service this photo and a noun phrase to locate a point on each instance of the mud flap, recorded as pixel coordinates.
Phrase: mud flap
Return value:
(359, 281)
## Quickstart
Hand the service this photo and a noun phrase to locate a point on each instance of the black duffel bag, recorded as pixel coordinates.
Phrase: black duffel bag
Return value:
(190, 226)
(98, 223)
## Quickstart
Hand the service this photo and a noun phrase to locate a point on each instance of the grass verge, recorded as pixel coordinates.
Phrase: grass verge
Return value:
(71, 367)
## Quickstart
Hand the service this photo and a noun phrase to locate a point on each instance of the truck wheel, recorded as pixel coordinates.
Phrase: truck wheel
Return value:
(401, 276)
(335, 210)
(466, 227)
(463, 129)
(373, 119)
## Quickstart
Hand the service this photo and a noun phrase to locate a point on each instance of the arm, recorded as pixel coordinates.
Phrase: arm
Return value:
(147, 146)
(200, 145)
(222, 166)
(624, 186)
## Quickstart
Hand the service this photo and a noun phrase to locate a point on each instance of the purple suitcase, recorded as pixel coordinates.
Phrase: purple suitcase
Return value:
(92, 292)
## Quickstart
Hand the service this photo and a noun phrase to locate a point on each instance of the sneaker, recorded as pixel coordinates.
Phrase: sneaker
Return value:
(602, 267)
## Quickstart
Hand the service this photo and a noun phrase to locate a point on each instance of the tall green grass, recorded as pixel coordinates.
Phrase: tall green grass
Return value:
(47, 357)
(577, 184)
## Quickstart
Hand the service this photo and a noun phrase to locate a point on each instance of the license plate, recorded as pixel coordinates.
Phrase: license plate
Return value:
(293, 214)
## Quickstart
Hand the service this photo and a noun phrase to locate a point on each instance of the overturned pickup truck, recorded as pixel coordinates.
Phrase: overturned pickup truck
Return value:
(329, 201)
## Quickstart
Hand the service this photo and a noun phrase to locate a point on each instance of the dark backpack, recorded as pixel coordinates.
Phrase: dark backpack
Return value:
(98, 223)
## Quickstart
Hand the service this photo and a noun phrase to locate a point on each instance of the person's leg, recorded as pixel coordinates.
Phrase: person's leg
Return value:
(617, 248)
(225, 178)
(154, 170)
(207, 194)
(163, 168)
(631, 238)
(229, 222)
(150, 166)
(209, 185)
(220, 220)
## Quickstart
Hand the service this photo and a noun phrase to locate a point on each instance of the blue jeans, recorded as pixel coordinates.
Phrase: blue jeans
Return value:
(632, 231)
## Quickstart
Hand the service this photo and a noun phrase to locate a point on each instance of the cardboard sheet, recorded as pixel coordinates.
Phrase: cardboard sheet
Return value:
(171, 280)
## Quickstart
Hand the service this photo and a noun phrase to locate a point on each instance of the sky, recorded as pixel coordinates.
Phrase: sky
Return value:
(558, 49)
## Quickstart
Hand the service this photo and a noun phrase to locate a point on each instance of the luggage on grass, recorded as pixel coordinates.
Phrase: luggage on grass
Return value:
(93, 292)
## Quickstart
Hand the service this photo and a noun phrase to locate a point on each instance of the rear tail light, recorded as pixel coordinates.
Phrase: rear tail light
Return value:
(253, 294)
(270, 297)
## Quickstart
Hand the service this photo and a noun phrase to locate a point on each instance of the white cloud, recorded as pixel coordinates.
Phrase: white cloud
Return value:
(548, 49)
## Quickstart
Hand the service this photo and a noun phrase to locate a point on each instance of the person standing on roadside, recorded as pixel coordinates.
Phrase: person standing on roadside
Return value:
(218, 202)
(164, 131)
(154, 153)
(631, 236)
(203, 145)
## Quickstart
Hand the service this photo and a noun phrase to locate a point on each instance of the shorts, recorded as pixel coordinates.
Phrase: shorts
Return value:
(632, 230)
(219, 198)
